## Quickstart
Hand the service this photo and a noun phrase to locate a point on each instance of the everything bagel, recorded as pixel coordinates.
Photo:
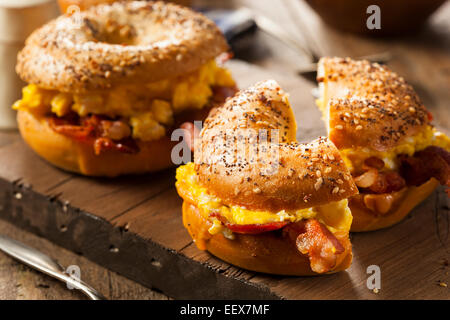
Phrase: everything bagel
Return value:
(265, 107)
(126, 42)
(383, 132)
(115, 81)
(285, 213)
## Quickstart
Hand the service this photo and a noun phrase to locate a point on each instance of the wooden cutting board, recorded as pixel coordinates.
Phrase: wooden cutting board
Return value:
(132, 225)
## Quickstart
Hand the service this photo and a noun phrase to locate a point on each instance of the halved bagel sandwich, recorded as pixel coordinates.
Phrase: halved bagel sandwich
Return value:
(107, 86)
(257, 199)
(377, 121)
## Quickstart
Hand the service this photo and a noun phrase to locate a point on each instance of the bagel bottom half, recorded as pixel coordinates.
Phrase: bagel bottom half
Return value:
(403, 201)
(79, 157)
(267, 252)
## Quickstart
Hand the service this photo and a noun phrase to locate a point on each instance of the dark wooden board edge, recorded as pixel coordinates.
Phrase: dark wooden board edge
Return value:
(113, 247)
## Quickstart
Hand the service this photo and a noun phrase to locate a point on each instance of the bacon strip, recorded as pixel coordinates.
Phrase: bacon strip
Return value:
(250, 228)
(432, 162)
(313, 238)
(125, 145)
(380, 182)
(387, 182)
(69, 126)
(255, 228)
(377, 181)
(97, 130)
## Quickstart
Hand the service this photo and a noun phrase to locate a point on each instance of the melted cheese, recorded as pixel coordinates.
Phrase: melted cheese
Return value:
(354, 158)
(149, 108)
(335, 215)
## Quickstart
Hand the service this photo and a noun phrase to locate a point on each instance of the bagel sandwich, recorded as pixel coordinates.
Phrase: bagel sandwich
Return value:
(257, 199)
(107, 86)
(383, 131)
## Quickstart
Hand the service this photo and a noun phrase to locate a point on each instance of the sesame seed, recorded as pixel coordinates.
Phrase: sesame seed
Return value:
(331, 157)
(335, 190)
(364, 110)
(359, 127)
(342, 191)
(328, 170)
(318, 173)
(339, 181)
(412, 110)
(339, 127)
(318, 184)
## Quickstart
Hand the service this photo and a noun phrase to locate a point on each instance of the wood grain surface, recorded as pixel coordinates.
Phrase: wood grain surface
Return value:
(139, 211)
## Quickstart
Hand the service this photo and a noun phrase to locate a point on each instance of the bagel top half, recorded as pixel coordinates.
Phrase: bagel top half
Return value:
(370, 111)
(368, 105)
(126, 42)
(247, 156)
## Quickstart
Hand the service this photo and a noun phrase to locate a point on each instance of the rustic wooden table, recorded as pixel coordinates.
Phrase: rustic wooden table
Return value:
(423, 59)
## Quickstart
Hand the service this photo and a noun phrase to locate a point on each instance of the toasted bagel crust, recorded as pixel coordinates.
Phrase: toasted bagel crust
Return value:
(365, 219)
(289, 176)
(86, 51)
(368, 105)
(267, 252)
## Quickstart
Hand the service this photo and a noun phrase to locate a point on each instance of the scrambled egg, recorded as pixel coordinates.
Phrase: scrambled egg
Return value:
(149, 107)
(335, 215)
(354, 158)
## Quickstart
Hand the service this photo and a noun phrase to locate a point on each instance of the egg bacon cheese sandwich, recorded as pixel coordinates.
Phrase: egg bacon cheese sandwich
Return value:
(384, 134)
(279, 210)
(108, 85)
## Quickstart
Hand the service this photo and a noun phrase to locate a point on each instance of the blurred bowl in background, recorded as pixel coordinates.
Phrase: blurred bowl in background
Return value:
(397, 16)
